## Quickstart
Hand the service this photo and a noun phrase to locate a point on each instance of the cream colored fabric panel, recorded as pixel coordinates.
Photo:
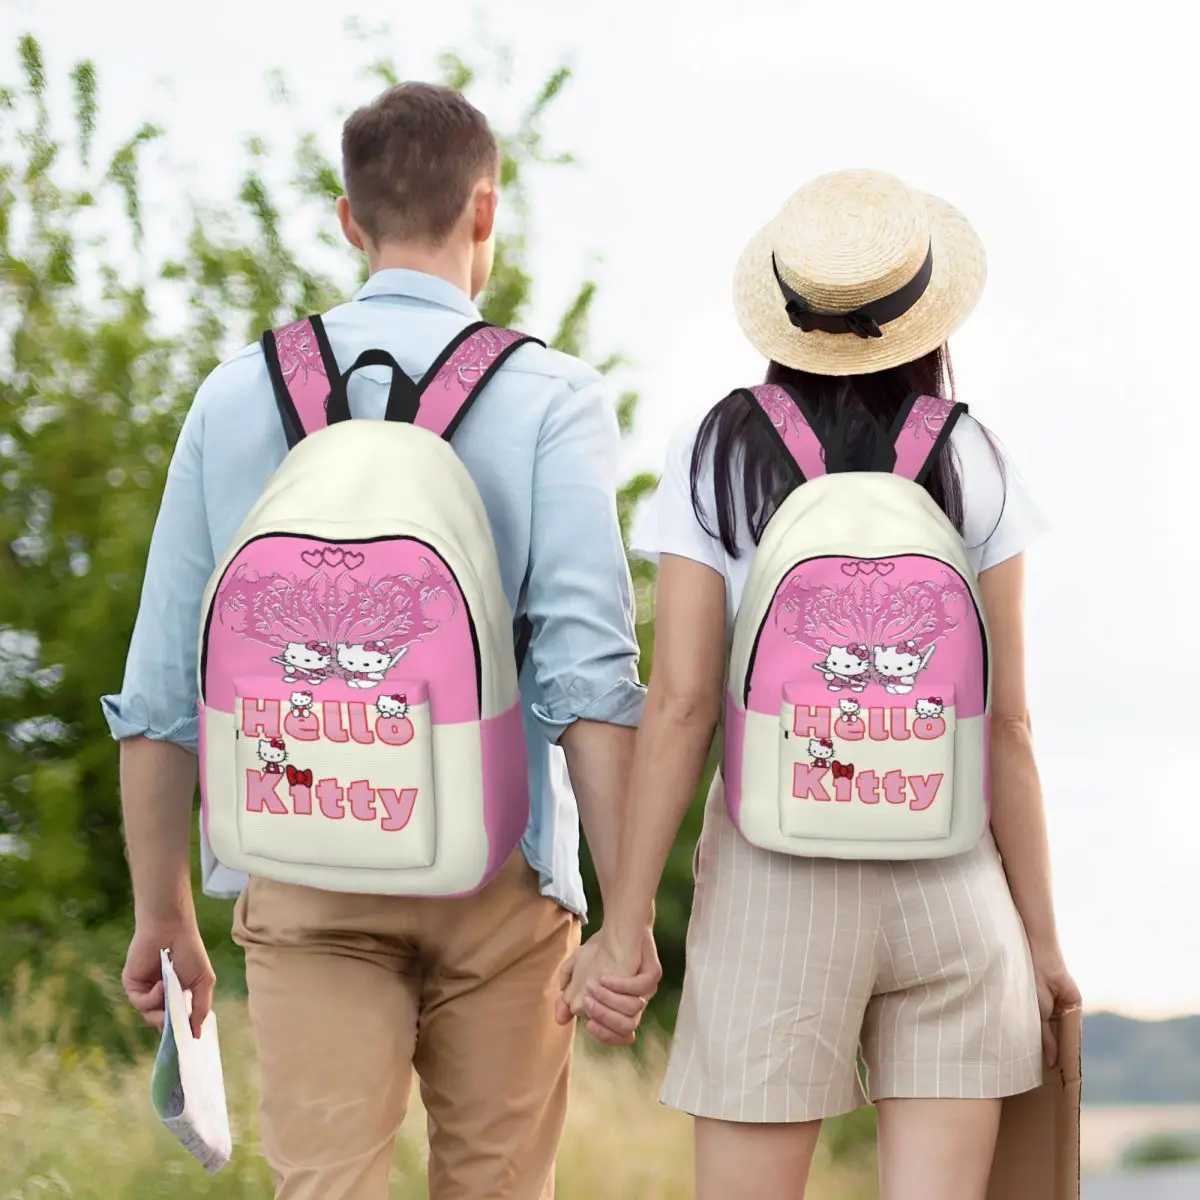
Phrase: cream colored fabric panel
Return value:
(459, 834)
(763, 787)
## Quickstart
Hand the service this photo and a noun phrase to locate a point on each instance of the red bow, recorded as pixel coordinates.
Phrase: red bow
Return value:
(936, 700)
(318, 647)
(278, 744)
(299, 778)
(840, 770)
(400, 699)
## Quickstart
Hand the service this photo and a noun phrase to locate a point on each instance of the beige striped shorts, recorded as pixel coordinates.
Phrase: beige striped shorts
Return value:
(796, 966)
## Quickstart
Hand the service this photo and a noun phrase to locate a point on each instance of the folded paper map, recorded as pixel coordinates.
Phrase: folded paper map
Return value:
(187, 1088)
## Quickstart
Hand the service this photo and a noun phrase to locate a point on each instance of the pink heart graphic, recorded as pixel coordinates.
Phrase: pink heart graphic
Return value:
(867, 568)
(312, 557)
(885, 568)
(849, 568)
(333, 556)
(353, 559)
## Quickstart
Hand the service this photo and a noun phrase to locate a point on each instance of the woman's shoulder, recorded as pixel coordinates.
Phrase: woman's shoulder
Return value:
(1000, 516)
(681, 443)
(981, 459)
(668, 522)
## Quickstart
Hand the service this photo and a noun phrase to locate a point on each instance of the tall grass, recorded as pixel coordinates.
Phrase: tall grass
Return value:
(76, 1122)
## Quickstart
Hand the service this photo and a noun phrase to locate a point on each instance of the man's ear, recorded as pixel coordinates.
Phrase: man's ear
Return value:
(487, 199)
(350, 230)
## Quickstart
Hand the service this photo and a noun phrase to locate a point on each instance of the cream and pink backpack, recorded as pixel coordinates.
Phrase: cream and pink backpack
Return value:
(856, 721)
(360, 721)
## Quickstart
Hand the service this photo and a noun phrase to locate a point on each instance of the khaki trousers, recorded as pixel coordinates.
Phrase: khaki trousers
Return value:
(349, 993)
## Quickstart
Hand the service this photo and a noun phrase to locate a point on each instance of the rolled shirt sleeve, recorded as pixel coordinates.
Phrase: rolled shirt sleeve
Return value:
(158, 696)
(579, 596)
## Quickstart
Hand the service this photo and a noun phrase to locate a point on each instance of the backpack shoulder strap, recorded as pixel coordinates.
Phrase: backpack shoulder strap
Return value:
(450, 387)
(302, 369)
(783, 412)
(448, 390)
(922, 428)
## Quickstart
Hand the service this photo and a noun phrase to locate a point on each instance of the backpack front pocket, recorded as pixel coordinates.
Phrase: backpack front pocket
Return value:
(864, 770)
(334, 782)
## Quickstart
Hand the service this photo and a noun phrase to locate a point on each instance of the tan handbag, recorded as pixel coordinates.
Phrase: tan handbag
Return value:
(1037, 1153)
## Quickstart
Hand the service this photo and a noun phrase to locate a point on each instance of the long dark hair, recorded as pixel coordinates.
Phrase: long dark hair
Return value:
(853, 412)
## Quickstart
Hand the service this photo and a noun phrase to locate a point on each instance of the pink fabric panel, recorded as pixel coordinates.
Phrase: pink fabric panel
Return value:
(342, 621)
(303, 372)
(203, 772)
(505, 784)
(924, 423)
(452, 386)
(849, 628)
(733, 739)
(796, 432)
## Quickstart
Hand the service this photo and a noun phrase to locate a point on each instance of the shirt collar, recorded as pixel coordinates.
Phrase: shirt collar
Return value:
(396, 281)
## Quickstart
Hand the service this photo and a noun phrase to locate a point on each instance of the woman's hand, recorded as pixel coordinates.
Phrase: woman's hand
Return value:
(609, 987)
(1056, 991)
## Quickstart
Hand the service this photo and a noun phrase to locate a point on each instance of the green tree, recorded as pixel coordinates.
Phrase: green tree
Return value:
(93, 387)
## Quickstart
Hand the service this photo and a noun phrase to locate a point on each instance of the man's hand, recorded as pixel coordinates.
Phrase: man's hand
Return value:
(142, 977)
(609, 989)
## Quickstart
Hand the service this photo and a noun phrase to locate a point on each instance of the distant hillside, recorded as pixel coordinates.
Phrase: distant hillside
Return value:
(1140, 1062)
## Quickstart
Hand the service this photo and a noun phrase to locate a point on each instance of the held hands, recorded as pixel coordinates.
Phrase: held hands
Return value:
(609, 988)
(142, 977)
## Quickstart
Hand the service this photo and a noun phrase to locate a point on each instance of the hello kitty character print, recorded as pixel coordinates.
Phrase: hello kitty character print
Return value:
(393, 707)
(332, 618)
(846, 666)
(931, 708)
(272, 752)
(821, 751)
(305, 661)
(850, 710)
(366, 665)
(898, 666)
(301, 703)
(874, 626)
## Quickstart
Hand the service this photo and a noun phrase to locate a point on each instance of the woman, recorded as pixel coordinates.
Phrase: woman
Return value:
(935, 969)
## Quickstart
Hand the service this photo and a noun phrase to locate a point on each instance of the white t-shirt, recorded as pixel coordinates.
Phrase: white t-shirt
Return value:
(1000, 518)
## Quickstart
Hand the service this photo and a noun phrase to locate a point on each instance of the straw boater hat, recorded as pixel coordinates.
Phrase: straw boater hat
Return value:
(857, 273)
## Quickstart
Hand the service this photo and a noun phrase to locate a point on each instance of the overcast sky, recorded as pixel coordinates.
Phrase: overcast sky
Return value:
(1066, 136)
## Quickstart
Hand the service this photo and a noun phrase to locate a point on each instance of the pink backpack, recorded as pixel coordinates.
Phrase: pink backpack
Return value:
(856, 721)
(361, 724)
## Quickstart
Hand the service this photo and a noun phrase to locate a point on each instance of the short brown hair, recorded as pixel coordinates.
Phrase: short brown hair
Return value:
(410, 159)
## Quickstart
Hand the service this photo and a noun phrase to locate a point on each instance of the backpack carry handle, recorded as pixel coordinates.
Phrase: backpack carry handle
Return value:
(923, 426)
(403, 397)
(311, 393)
(785, 415)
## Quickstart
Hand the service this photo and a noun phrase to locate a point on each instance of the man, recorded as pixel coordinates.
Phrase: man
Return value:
(347, 992)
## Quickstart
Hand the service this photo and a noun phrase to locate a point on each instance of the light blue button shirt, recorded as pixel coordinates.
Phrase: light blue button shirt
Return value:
(541, 444)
